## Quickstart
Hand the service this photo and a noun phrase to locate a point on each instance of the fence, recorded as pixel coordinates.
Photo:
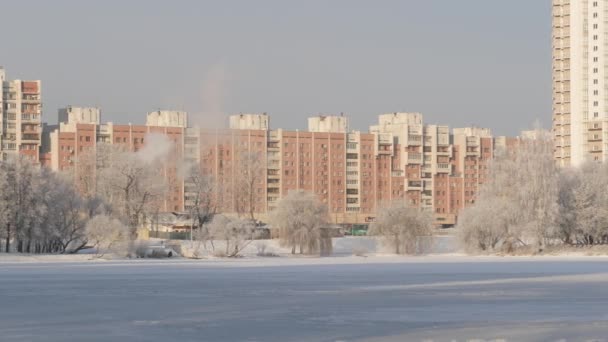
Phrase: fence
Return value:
(170, 235)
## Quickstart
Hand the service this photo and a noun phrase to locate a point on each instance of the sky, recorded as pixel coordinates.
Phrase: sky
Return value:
(460, 63)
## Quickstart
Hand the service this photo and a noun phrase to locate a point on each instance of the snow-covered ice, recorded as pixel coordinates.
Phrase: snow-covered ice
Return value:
(439, 298)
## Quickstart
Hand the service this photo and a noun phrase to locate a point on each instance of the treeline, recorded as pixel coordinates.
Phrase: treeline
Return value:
(41, 211)
(529, 202)
(101, 203)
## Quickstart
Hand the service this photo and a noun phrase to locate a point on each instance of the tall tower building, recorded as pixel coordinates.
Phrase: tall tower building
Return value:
(580, 90)
(20, 118)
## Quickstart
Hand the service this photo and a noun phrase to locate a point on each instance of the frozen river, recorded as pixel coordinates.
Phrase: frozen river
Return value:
(344, 299)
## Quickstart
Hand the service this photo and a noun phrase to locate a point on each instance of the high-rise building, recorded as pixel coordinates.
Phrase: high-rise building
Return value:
(580, 68)
(20, 118)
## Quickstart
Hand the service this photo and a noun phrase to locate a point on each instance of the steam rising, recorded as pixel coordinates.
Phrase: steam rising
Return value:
(157, 147)
(213, 91)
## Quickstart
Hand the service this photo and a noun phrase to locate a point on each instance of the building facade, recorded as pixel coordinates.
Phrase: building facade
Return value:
(353, 173)
(20, 118)
(67, 144)
(580, 67)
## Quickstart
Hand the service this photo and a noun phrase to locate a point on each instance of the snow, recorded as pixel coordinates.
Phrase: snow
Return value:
(341, 298)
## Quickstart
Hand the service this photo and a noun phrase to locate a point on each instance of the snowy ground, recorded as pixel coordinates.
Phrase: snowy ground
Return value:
(441, 298)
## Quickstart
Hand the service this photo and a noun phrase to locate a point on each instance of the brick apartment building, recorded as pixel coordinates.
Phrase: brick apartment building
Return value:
(353, 172)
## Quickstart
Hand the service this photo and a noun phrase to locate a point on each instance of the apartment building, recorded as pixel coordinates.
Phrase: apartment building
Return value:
(80, 130)
(353, 173)
(580, 67)
(20, 118)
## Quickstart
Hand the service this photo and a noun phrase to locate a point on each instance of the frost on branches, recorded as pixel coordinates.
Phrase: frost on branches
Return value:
(40, 211)
(299, 218)
(529, 202)
(402, 228)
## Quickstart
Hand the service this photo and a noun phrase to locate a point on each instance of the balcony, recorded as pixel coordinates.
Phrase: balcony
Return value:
(385, 139)
(30, 138)
(414, 140)
(444, 167)
(273, 174)
(274, 164)
(414, 185)
(397, 173)
(414, 158)
(385, 149)
(30, 101)
(33, 118)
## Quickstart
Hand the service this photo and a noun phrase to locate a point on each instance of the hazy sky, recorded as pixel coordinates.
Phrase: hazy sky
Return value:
(481, 62)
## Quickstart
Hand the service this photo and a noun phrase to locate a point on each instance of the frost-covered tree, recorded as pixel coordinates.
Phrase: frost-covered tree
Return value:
(588, 208)
(40, 211)
(201, 190)
(402, 227)
(519, 203)
(105, 234)
(131, 185)
(66, 213)
(475, 232)
(565, 223)
(18, 198)
(235, 233)
(537, 187)
(299, 218)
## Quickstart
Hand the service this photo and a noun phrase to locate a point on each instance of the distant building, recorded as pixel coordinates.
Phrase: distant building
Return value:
(353, 173)
(580, 89)
(20, 118)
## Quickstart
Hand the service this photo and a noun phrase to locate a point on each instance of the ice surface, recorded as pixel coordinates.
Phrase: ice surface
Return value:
(442, 298)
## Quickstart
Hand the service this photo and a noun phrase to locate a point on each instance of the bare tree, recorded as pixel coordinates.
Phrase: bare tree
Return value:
(249, 183)
(131, 185)
(299, 217)
(589, 205)
(236, 233)
(67, 216)
(402, 227)
(565, 225)
(201, 195)
(537, 186)
(18, 201)
(105, 233)
(519, 203)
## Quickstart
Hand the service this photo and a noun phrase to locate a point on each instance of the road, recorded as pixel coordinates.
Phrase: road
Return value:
(518, 299)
